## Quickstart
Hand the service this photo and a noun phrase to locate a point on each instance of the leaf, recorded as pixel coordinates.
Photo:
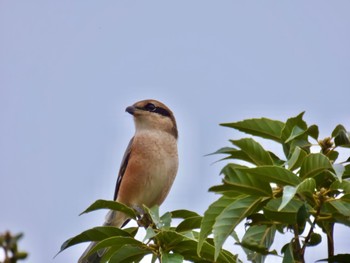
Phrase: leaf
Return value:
(344, 185)
(296, 159)
(129, 253)
(112, 205)
(165, 220)
(339, 170)
(171, 258)
(257, 240)
(94, 234)
(230, 217)
(337, 211)
(150, 233)
(189, 223)
(244, 183)
(209, 218)
(315, 239)
(287, 215)
(302, 217)
(337, 258)
(291, 124)
(183, 213)
(265, 128)
(341, 136)
(288, 194)
(187, 247)
(288, 253)
(307, 188)
(117, 242)
(239, 155)
(314, 164)
(339, 206)
(313, 131)
(254, 151)
(346, 172)
(273, 174)
(296, 132)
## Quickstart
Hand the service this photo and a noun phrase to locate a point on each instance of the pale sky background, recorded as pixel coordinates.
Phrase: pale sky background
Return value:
(68, 70)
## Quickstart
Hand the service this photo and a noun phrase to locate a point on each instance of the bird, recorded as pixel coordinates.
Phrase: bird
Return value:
(149, 165)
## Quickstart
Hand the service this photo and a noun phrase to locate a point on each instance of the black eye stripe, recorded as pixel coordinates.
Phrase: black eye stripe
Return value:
(162, 111)
(152, 108)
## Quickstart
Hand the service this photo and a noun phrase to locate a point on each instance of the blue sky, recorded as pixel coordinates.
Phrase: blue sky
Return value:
(68, 70)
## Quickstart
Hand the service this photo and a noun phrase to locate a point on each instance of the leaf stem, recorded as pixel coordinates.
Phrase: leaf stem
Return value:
(330, 240)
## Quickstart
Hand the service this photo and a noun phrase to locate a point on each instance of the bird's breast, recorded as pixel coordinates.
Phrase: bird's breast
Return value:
(154, 164)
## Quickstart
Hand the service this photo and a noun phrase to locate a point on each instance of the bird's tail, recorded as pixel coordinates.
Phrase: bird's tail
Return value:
(93, 258)
(113, 218)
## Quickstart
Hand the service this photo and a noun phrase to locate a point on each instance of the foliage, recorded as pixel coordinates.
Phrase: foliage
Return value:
(162, 241)
(306, 188)
(8, 243)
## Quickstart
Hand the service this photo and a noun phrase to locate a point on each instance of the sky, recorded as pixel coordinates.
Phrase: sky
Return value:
(68, 70)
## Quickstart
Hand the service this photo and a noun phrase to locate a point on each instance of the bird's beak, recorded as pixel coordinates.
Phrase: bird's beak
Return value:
(130, 109)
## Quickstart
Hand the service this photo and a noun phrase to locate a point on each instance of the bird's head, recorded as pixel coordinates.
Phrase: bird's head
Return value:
(152, 114)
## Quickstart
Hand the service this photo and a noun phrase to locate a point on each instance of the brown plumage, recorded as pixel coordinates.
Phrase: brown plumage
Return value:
(149, 165)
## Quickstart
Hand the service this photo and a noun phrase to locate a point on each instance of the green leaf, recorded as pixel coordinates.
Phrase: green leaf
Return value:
(230, 217)
(238, 155)
(150, 233)
(344, 186)
(339, 206)
(302, 217)
(332, 155)
(265, 128)
(165, 220)
(129, 253)
(339, 170)
(346, 174)
(187, 247)
(172, 258)
(298, 142)
(341, 136)
(183, 213)
(314, 163)
(288, 253)
(307, 188)
(296, 159)
(291, 124)
(209, 218)
(245, 183)
(337, 258)
(296, 132)
(94, 234)
(273, 174)
(287, 215)
(189, 223)
(112, 205)
(254, 151)
(117, 243)
(315, 239)
(288, 194)
(313, 131)
(257, 240)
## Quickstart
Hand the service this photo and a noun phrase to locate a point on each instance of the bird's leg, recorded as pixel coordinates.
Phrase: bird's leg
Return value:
(143, 218)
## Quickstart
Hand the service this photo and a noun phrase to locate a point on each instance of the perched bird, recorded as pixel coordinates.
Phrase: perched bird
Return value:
(149, 165)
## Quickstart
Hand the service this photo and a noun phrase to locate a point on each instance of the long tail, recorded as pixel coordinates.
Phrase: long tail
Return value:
(113, 218)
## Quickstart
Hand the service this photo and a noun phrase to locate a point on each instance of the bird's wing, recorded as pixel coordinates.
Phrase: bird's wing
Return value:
(122, 169)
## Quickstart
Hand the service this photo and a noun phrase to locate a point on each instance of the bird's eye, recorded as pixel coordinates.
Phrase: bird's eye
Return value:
(150, 107)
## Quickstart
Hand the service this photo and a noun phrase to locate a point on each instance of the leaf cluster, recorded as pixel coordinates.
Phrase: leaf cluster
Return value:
(162, 241)
(306, 186)
(9, 245)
